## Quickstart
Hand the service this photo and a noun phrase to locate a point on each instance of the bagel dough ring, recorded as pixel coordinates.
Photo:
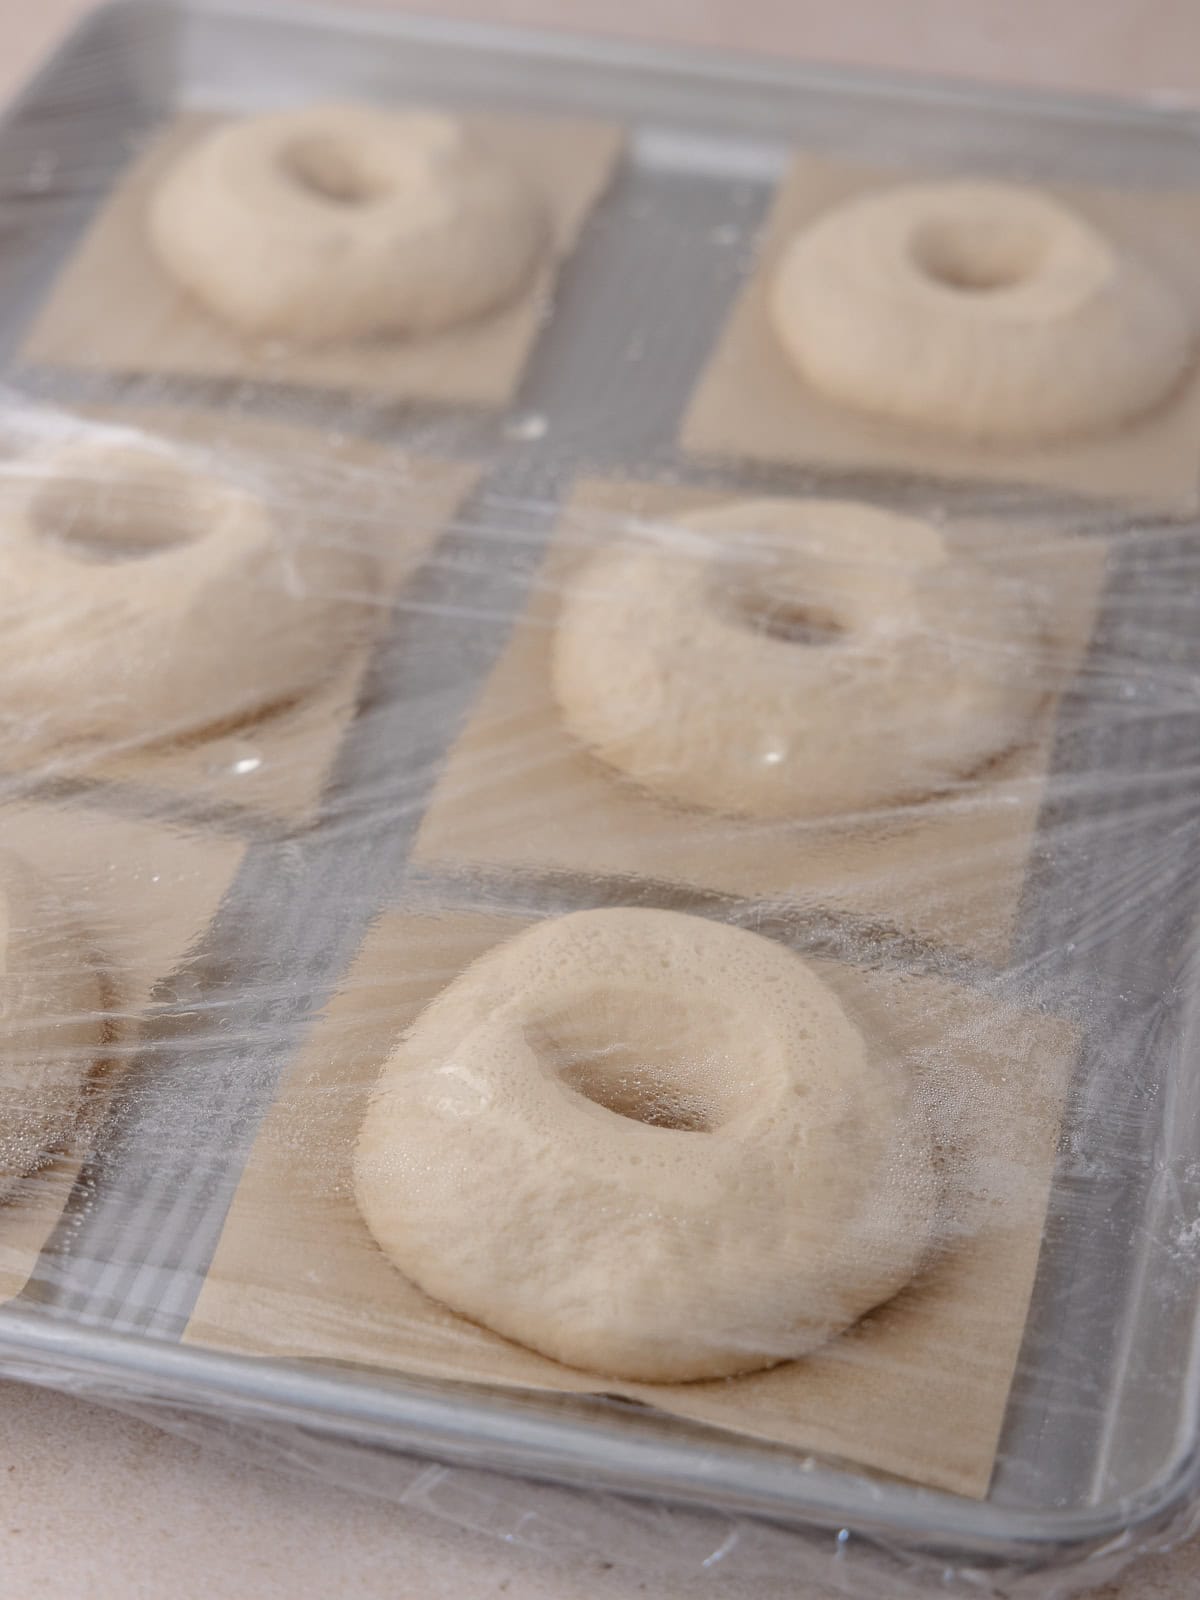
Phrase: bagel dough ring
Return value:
(341, 222)
(142, 599)
(648, 1145)
(795, 658)
(984, 310)
(51, 1022)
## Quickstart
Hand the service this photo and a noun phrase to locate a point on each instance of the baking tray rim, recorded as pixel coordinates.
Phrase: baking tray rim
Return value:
(430, 1420)
(734, 65)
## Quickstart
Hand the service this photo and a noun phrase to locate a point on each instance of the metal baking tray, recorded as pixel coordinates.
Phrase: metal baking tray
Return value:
(1102, 1440)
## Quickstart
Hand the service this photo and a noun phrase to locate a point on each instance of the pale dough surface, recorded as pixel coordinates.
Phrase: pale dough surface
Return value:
(52, 1020)
(989, 311)
(181, 601)
(114, 309)
(519, 790)
(383, 504)
(339, 222)
(796, 658)
(751, 402)
(650, 1146)
(297, 1272)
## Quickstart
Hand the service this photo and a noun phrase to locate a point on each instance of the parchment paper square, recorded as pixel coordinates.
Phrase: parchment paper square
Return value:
(518, 791)
(379, 497)
(114, 308)
(751, 403)
(917, 1389)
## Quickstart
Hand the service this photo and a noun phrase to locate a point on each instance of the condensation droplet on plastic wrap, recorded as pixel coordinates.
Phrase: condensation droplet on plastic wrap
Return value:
(526, 428)
(247, 760)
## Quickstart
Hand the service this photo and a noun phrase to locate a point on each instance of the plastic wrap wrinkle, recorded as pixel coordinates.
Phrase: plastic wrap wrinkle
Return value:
(371, 555)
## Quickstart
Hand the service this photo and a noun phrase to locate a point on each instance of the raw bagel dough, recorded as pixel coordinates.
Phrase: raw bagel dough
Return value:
(51, 1021)
(985, 310)
(648, 1145)
(143, 599)
(339, 222)
(795, 658)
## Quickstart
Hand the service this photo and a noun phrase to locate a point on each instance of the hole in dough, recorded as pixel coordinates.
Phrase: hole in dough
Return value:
(784, 617)
(638, 1061)
(773, 600)
(328, 168)
(973, 256)
(107, 520)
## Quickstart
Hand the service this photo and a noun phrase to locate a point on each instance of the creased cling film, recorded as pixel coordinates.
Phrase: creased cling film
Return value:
(679, 965)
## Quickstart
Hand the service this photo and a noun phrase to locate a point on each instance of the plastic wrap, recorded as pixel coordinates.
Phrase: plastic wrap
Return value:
(574, 908)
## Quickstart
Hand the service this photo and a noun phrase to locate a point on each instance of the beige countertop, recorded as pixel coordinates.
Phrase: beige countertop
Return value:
(93, 1502)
